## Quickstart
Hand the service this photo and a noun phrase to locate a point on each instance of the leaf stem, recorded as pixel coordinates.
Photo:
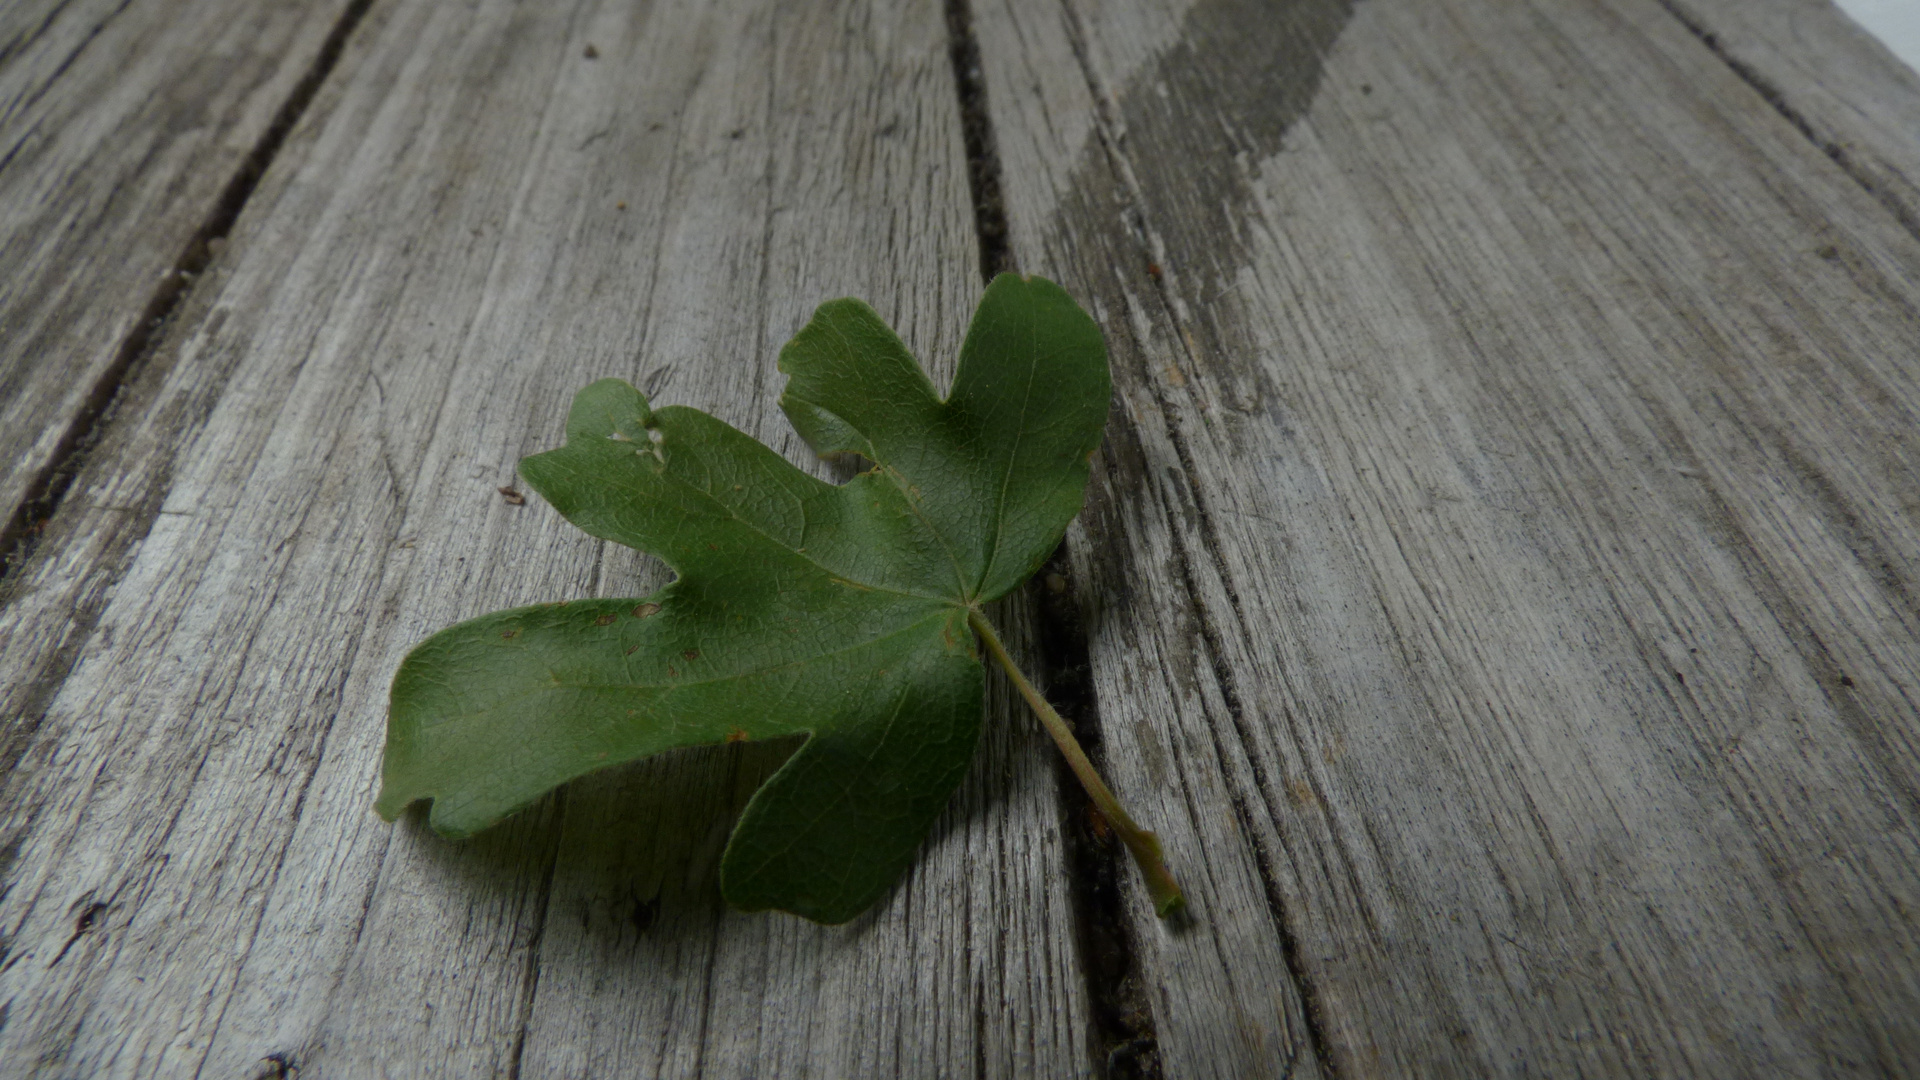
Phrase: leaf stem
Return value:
(1144, 846)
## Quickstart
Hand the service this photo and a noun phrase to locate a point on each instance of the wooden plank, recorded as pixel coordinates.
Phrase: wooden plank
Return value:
(123, 124)
(1831, 78)
(477, 218)
(1500, 579)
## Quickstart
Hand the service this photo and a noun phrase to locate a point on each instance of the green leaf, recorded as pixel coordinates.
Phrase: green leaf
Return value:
(800, 607)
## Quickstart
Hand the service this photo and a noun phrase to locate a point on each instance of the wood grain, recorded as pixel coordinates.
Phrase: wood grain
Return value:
(123, 124)
(1500, 582)
(475, 219)
(1831, 78)
(1498, 587)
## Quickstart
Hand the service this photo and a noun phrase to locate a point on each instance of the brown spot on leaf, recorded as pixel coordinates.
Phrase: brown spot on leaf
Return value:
(513, 497)
(736, 735)
(509, 635)
(631, 649)
(604, 620)
(691, 654)
(645, 610)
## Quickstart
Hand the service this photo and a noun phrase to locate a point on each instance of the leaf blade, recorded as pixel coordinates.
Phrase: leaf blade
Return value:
(1030, 349)
(801, 607)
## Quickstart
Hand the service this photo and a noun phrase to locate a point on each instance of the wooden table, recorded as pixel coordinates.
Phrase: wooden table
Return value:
(1500, 585)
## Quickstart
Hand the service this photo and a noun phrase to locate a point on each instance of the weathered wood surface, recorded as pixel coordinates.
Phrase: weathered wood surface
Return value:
(1497, 588)
(474, 220)
(1501, 586)
(1830, 78)
(123, 126)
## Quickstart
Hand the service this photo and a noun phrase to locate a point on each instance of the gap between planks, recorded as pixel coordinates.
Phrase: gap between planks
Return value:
(1121, 1039)
(45, 490)
(1778, 100)
(555, 932)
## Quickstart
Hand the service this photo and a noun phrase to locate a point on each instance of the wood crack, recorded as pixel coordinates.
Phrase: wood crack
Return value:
(33, 98)
(48, 487)
(1311, 1010)
(976, 129)
(1122, 1041)
(1110, 132)
(1772, 95)
(525, 1024)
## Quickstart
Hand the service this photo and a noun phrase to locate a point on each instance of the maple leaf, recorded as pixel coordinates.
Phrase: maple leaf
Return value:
(843, 612)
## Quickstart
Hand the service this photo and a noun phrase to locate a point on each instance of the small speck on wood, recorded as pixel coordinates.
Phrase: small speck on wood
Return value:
(275, 1067)
(590, 52)
(513, 496)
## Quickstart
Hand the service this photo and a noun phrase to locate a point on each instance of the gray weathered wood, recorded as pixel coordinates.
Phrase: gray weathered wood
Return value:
(1827, 74)
(474, 220)
(1501, 577)
(121, 125)
(1498, 585)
